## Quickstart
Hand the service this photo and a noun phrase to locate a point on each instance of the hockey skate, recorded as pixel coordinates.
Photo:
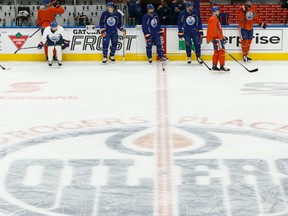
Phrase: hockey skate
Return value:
(200, 61)
(112, 58)
(223, 68)
(215, 68)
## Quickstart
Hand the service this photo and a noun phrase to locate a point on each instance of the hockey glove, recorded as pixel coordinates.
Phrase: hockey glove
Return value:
(123, 29)
(225, 40)
(201, 34)
(65, 44)
(180, 34)
(40, 45)
(161, 32)
(263, 25)
(148, 37)
(103, 33)
(55, 4)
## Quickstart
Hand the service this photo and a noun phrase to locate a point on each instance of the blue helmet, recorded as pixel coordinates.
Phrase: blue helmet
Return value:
(215, 8)
(111, 4)
(45, 2)
(188, 4)
(53, 24)
(249, 0)
(150, 7)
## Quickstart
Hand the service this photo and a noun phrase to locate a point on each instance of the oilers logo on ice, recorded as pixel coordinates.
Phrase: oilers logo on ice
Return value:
(111, 21)
(154, 22)
(249, 15)
(190, 20)
(101, 171)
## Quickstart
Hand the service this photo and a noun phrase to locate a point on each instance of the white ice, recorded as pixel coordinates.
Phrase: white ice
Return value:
(37, 101)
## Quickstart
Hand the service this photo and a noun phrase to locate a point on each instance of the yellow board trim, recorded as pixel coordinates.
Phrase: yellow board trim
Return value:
(136, 57)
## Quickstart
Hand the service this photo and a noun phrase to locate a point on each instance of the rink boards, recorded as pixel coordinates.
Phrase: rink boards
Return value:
(268, 44)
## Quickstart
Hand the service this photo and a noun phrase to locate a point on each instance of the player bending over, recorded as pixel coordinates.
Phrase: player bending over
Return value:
(152, 33)
(110, 22)
(55, 38)
(46, 15)
(247, 16)
(190, 20)
(215, 35)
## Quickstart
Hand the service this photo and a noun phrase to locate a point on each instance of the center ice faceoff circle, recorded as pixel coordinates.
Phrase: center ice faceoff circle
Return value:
(82, 173)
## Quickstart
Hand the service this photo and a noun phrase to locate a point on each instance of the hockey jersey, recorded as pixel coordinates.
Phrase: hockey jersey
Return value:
(47, 15)
(54, 38)
(248, 18)
(190, 21)
(151, 25)
(214, 30)
(111, 22)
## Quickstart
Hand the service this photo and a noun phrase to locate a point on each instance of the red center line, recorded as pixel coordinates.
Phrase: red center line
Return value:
(164, 158)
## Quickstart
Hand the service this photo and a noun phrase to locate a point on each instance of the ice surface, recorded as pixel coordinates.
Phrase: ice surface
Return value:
(128, 138)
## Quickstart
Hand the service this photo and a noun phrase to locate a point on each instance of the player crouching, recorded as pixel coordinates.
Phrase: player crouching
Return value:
(110, 22)
(152, 32)
(55, 37)
(190, 20)
(215, 35)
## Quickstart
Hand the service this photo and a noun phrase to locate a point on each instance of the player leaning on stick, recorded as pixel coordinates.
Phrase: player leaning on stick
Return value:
(110, 22)
(55, 37)
(215, 35)
(152, 33)
(190, 20)
(247, 16)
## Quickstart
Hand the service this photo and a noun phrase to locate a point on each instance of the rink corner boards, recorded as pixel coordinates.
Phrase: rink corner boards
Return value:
(268, 44)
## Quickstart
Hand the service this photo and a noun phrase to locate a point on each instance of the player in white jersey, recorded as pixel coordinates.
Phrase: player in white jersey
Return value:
(55, 37)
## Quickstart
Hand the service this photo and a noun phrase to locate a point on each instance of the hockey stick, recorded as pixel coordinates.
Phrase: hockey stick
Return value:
(163, 68)
(199, 57)
(4, 68)
(25, 48)
(250, 71)
(124, 47)
(34, 33)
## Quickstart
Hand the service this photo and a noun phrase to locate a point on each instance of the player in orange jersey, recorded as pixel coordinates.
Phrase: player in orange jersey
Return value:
(215, 35)
(247, 16)
(46, 15)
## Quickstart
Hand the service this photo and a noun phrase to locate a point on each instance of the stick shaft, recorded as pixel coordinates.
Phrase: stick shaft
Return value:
(34, 32)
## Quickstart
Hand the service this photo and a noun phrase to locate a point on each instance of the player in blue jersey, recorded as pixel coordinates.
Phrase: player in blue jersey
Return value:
(110, 22)
(152, 32)
(191, 22)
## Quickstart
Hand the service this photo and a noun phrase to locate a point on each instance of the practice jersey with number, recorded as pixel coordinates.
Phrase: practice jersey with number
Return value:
(151, 25)
(111, 22)
(248, 18)
(54, 38)
(214, 30)
(190, 21)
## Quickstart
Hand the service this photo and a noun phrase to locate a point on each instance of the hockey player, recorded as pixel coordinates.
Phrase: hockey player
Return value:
(190, 20)
(215, 35)
(152, 33)
(55, 37)
(110, 22)
(247, 16)
(47, 14)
